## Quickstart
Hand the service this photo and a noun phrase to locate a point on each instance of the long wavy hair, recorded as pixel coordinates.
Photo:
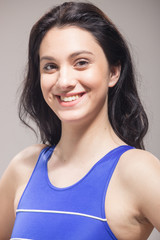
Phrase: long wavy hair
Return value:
(126, 113)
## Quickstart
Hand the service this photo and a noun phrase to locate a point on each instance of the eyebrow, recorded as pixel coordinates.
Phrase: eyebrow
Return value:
(79, 53)
(75, 54)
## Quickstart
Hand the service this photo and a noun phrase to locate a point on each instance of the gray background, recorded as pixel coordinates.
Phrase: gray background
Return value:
(138, 21)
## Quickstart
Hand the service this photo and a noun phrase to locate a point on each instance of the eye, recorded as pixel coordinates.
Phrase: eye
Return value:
(50, 67)
(80, 64)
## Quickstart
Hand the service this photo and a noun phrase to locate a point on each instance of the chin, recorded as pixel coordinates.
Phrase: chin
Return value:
(70, 119)
(70, 116)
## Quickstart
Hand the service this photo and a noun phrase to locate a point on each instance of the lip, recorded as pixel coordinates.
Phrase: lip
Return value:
(72, 103)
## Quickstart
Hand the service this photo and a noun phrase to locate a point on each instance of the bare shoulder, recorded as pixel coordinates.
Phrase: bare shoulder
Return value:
(29, 153)
(27, 158)
(139, 163)
(24, 161)
(21, 166)
(139, 172)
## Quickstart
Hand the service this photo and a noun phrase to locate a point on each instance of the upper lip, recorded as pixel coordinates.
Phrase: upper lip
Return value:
(70, 94)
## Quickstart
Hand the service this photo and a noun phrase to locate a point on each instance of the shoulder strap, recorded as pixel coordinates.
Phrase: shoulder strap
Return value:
(36, 176)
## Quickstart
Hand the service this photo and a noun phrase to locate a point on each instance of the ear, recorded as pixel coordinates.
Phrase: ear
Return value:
(115, 72)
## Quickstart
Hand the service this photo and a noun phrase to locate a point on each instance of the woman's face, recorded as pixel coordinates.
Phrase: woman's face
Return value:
(74, 74)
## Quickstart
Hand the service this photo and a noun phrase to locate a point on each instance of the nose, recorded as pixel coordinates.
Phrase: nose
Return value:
(66, 80)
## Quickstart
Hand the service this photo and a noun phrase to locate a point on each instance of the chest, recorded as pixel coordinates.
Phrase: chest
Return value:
(76, 209)
(52, 211)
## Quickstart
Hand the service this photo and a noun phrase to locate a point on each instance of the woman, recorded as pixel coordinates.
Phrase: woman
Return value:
(92, 179)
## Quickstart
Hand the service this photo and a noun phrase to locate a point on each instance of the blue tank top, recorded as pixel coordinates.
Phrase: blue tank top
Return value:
(77, 212)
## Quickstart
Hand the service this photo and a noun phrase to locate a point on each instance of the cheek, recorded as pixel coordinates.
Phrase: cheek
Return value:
(96, 79)
(46, 86)
(47, 82)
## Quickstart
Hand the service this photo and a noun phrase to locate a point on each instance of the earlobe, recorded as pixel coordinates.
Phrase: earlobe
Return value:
(115, 72)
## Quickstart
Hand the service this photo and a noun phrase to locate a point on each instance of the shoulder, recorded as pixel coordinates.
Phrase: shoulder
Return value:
(21, 166)
(27, 157)
(139, 166)
(139, 163)
(139, 173)
(24, 162)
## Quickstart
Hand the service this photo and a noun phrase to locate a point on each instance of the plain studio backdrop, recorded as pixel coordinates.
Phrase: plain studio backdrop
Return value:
(138, 21)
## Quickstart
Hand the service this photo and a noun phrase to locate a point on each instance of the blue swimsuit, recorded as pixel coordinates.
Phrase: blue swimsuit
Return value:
(46, 212)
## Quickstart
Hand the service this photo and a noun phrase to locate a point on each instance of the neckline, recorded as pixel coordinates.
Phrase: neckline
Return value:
(51, 185)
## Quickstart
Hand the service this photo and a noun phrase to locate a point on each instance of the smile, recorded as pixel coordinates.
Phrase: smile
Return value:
(71, 98)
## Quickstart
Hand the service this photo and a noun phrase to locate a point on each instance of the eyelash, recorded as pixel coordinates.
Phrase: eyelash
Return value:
(51, 67)
(79, 64)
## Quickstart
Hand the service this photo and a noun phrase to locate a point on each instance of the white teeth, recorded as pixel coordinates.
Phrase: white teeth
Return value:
(69, 99)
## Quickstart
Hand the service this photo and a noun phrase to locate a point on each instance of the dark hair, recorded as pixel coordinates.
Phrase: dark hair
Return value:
(126, 113)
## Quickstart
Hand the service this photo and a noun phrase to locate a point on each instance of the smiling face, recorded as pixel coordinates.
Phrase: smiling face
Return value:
(75, 74)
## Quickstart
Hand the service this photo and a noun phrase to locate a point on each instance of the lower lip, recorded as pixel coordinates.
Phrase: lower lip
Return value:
(70, 104)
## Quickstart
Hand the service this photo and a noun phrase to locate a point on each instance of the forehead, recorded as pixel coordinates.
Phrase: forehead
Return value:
(68, 39)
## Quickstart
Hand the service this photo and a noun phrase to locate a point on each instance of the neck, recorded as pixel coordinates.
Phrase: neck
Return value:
(97, 134)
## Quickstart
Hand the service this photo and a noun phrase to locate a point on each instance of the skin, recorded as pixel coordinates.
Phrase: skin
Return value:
(75, 66)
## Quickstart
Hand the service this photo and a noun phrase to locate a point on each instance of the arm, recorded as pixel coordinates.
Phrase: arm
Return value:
(142, 175)
(149, 191)
(7, 194)
(12, 186)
